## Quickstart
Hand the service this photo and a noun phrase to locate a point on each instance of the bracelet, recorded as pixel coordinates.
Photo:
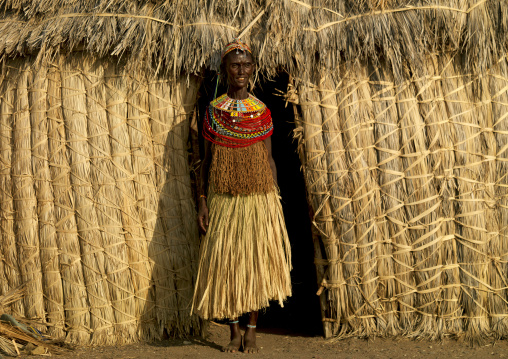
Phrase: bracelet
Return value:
(202, 196)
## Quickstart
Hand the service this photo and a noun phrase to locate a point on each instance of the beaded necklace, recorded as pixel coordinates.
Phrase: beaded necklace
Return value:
(237, 123)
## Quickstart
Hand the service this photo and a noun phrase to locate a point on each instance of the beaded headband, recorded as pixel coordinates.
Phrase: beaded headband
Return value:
(235, 45)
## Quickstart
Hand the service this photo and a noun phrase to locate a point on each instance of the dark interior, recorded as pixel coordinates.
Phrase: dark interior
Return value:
(301, 313)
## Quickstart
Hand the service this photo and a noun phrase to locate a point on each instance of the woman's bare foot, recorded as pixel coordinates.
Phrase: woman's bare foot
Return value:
(233, 346)
(249, 341)
(236, 339)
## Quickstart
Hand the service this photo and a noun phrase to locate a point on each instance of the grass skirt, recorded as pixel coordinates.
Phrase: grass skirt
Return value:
(245, 256)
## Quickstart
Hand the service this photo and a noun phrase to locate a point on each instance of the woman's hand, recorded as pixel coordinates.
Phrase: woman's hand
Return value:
(203, 215)
(202, 207)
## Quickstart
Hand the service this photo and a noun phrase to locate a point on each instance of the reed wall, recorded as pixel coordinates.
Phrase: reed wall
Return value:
(96, 212)
(408, 182)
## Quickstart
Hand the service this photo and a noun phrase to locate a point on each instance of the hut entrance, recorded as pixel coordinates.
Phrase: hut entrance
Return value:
(301, 314)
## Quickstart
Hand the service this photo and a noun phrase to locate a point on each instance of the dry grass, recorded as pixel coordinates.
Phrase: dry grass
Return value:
(249, 232)
(100, 239)
(12, 338)
(10, 263)
(140, 134)
(499, 95)
(422, 252)
(26, 226)
(403, 135)
(77, 315)
(177, 37)
(51, 277)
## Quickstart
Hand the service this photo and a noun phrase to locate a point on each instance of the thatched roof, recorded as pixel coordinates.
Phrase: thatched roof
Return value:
(177, 36)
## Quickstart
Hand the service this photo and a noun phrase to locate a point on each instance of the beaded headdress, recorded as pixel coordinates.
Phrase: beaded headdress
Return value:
(235, 45)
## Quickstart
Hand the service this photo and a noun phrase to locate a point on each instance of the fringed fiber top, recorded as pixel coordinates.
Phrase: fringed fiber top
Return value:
(243, 170)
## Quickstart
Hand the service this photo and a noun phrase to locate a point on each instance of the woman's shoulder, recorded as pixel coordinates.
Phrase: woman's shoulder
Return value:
(218, 101)
(255, 99)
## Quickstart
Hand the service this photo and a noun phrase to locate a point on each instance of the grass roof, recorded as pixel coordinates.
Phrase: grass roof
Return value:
(302, 36)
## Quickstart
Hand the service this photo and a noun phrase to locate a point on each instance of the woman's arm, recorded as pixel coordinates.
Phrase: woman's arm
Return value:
(268, 144)
(203, 186)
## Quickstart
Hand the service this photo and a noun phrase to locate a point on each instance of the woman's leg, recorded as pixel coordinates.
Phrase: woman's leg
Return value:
(249, 339)
(236, 337)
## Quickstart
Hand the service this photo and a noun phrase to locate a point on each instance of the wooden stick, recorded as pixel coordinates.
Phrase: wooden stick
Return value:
(15, 346)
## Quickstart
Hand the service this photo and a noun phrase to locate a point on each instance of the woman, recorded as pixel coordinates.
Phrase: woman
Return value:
(245, 254)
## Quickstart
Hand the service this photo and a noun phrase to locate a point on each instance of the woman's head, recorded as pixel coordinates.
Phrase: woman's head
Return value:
(237, 64)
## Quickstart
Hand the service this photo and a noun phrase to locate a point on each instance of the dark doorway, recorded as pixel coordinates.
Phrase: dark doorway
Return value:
(301, 313)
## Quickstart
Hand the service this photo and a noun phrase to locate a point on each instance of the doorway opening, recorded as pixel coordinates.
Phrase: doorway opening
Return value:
(301, 314)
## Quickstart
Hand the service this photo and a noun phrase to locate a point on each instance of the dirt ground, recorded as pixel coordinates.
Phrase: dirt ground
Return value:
(282, 344)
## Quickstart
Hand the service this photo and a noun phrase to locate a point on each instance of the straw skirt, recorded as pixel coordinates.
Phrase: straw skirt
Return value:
(245, 257)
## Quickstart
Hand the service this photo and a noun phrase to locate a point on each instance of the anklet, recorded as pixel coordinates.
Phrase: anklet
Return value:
(233, 322)
(251, 326)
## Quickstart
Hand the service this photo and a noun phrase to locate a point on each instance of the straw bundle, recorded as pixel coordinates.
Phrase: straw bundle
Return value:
(441, 159)
(391, 188)
(10, 264)
(483, 112)
(319, 251)
(140, 134)
(25, 201)
(172, 244)
(470, 218)
(420, 205)
(77, 315)
(3, 144)
(499, 96)
(51, 278)
(132, 272)
(180, 158)
(106, 179)
(161, 250)
(361, 159)
(315, 172)
(92, 256)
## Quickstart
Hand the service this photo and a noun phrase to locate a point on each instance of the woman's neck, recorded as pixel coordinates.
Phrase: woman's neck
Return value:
(238, 93)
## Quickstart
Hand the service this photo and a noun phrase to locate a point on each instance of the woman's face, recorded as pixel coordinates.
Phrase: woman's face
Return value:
(239, 68)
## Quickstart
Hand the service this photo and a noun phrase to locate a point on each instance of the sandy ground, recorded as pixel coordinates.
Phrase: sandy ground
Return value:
(283, 344)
